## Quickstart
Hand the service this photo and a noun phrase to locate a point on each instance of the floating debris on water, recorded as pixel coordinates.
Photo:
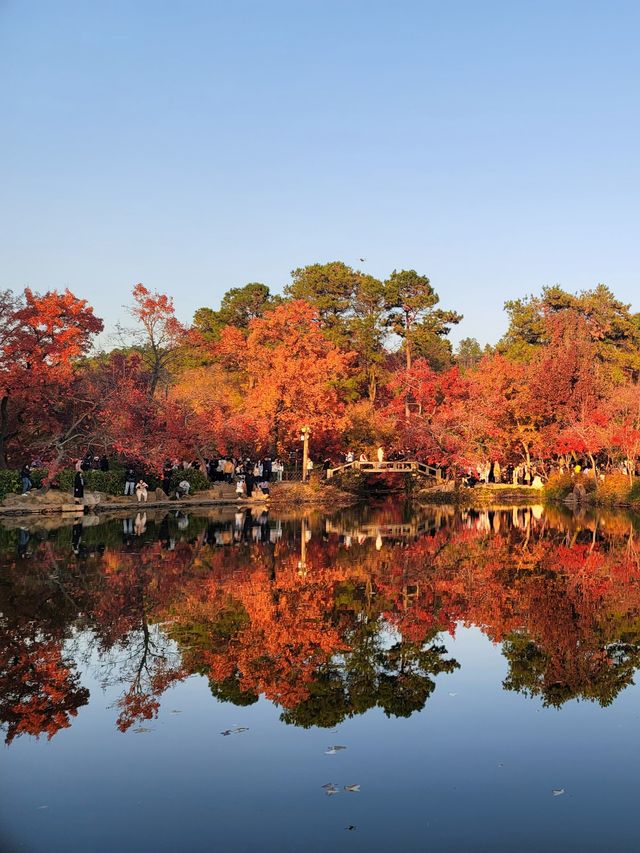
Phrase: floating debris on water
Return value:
(558, 792)
(234, 731)
(353, 789)
(333, 749)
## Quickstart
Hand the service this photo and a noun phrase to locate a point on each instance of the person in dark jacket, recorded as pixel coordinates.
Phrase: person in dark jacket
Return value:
(249, 480)
(267, 466)
(130, 482)
(25, 477)
(167, 471)
(78, 487)
(104, 463)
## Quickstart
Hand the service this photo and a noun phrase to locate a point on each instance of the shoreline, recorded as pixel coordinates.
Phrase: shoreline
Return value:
(287, 496)
(284, 496)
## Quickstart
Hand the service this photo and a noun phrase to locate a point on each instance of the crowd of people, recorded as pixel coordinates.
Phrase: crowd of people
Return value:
(253, 477)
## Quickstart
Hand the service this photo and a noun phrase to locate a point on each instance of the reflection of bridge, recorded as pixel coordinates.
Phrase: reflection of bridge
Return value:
(401, 466)
(393, 531)
(398, 530)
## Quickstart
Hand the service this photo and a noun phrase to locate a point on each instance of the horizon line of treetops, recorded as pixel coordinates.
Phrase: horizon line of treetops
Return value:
(361, 362)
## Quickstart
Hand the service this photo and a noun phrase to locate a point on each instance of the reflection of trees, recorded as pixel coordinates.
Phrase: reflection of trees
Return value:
(398, 680)
(603, 673)
(357, 629)
(39, 690)
(39, 685)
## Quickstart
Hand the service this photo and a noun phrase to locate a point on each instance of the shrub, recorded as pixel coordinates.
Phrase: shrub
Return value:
(589, 482)
(9, 482)
(558, 486)
(197, 480)
(111, 482)
(614, 489)
(37, 476)
(634, 492)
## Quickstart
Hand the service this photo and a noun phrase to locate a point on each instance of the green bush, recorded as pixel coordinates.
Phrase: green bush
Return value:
(614, 489)
(634, 492)
(558, 486)
(9, 482)
(197, 480)
(37, 476)
(110, 482)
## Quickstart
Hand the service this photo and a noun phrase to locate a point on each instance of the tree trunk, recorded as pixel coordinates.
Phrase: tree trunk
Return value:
(595, 470)
(4, 403)
(373, 387)
(155, 376)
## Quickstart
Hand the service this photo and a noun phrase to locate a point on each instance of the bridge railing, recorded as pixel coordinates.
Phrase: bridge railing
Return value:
(399, 466)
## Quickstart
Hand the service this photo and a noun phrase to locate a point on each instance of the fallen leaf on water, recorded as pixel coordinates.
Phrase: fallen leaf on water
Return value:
(557, 792)
(333, 749)
(353, 789)
(141, 729)
(351, 828)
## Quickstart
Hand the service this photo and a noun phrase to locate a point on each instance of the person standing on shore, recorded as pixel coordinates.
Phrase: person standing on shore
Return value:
(78, 486)
(25, 477)
(167, 471)
(130, 482)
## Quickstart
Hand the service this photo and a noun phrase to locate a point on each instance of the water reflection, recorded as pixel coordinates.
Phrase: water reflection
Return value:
(326, 617)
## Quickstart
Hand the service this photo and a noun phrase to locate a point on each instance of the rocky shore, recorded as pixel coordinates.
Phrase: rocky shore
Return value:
(284, 496)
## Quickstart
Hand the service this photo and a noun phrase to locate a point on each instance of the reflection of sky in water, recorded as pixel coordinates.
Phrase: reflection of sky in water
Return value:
(473, 770)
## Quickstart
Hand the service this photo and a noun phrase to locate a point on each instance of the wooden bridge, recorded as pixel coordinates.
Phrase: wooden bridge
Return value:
(401, 466)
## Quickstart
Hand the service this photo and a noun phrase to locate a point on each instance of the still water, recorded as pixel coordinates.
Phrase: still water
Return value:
(382, 679)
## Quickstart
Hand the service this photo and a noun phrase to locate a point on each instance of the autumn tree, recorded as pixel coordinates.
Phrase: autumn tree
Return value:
(160, 336)
(503, 397)
(442, 424)
(42, 337)
(624, 424)
(613, 329)
(289, 375)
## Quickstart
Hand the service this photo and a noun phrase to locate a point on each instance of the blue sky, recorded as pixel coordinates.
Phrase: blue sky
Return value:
(198, 146)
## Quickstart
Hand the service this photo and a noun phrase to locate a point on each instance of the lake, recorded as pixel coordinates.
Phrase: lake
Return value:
(385, 678)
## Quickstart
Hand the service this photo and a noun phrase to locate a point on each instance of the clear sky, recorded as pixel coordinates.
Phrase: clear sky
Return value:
(197, 146)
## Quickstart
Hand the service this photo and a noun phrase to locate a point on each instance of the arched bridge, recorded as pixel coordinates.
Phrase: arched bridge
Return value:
(402, 466)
